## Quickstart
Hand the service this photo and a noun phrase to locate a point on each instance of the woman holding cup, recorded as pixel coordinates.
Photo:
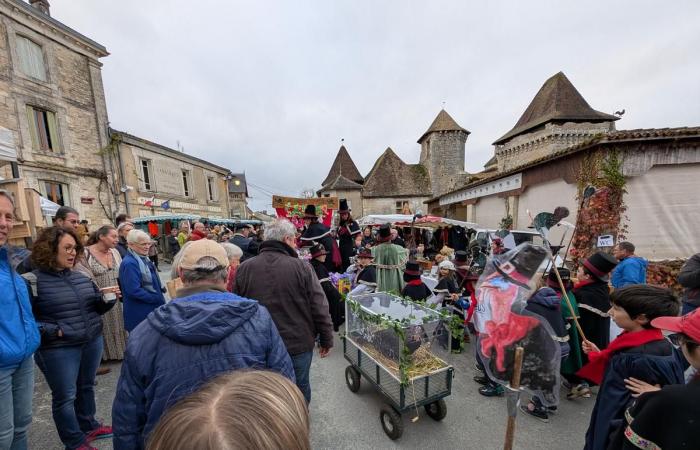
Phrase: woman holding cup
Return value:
(67, 307)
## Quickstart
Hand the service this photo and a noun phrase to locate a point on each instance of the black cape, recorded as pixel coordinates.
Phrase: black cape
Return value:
(416, 293)
(593, 304)
(446, 285)
(335, 301)
(347, 231)
(317, 232)
(368, 276)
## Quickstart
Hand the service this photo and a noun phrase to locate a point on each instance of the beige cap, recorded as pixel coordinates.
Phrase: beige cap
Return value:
(196, 250)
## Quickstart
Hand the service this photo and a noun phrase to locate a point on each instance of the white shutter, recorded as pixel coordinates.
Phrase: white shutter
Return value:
(31, 58)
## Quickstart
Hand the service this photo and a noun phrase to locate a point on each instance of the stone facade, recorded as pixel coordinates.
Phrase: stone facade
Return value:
(442, 153)
(354, 198)
(393, 205)
(152, 171)
(65, 89)
(552, 137)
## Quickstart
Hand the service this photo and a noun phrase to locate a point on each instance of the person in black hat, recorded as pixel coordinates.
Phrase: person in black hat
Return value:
(316, 232)
(366, 280)
(243, 241)
(593, 298)
(318, 258)
(415, 289)
(347, 230)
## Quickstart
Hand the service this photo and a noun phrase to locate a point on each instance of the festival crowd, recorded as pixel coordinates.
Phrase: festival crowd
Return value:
(219, 357)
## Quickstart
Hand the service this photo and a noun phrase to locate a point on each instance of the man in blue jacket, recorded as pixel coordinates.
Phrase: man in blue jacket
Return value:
(631, 269)
(204, 332)
(19, 338)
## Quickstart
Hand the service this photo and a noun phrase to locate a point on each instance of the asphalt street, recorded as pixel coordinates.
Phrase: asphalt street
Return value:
(341, 419)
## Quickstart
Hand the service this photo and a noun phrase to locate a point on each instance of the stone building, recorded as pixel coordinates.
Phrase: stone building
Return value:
(238, 196)
(152, 174)
(661, 168)
(53, 117)
(393, 186)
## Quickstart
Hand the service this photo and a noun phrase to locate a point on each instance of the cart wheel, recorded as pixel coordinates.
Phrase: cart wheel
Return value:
(391, 422)
(352, 378)
(436, 410)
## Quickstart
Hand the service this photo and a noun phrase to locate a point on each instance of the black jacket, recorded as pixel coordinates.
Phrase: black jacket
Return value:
(67, 301)
(248, 245)
(689, 278)
(173, 245)
(332, 295)
(319, 233)
(418, 292)
(594, 303)
(122, 247)
(546, 304)
(346, 241)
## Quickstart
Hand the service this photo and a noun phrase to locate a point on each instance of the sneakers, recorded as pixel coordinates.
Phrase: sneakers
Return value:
(579, 391)
(101, 432)
(492, 390)
(482, 379)
(538, 412)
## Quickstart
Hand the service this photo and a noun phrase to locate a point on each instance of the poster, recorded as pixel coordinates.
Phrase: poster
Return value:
(293, 208)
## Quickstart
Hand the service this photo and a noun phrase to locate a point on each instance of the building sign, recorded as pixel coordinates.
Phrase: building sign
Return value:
(174, 204)
(492, 187)
(606, 240)
(168, 176)
(87, 200)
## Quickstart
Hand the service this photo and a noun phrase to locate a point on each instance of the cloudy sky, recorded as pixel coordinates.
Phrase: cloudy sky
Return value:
(271, 87)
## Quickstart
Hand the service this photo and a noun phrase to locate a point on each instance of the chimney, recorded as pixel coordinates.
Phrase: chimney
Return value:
(41, 5)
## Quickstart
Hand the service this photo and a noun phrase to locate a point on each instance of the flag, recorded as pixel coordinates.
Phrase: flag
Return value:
(165, 204)
(150, 201)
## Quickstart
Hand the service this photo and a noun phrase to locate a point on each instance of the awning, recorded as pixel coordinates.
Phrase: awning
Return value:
(48, 208)
(406, 219)
(164, 217)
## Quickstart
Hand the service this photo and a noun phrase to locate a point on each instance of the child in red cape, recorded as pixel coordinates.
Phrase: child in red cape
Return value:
(640, 352)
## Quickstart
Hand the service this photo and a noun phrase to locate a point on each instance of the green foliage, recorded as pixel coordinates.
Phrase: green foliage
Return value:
(506, 223)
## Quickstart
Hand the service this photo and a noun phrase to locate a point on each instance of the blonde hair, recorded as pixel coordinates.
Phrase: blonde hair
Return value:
(244, 409)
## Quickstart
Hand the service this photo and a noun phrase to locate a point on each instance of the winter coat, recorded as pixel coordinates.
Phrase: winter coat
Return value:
(246, 244)
(197, 235)
(174, 245)
(138, 302)
(19, 335)
(653, 362)
(122, 247)
(335, 300)
(183, 344)
(416, 292)
(68, 301)
(319, 233)
(689, 278)
(593, 305)
(631, 270)
(547, 304)
(289, 289)
(347, 231)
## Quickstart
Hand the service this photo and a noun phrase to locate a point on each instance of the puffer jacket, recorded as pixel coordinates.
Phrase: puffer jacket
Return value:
(181, 345)
(19, 335)
(69, 301)
(631, 270)
(547, 304)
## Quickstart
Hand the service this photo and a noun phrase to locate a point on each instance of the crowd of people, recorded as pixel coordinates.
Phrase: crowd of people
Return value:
(222, 358)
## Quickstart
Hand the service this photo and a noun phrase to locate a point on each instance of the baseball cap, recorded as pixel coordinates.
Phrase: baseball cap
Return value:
(196, 250)
(688, 324)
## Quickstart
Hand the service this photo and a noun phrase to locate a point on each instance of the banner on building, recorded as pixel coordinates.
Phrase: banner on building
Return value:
(293, 208)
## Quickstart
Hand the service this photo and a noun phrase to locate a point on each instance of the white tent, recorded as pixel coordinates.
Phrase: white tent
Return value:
(48, 208)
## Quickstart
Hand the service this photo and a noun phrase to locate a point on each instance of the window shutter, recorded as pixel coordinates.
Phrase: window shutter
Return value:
(53, 131)
(31, 58)
(31, 119)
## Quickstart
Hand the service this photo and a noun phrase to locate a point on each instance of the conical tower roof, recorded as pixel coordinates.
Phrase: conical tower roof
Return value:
(443, 122)
(557, 100)
(343, 165)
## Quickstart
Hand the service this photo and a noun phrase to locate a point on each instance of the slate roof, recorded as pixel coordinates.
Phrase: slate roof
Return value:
(343, 165)
(391, 177)
(557, 100)
(443, 122)
(241, 188)
(341, 183)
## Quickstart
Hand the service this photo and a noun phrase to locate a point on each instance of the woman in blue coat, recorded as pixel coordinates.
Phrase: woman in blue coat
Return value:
(140, 284)
(67, 306)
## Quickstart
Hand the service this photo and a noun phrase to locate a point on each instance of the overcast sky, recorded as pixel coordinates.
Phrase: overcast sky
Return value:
(271, 87)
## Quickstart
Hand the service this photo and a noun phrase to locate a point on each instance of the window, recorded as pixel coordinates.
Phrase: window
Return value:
(211, 188)
(147, 174)
(399, 207)
(43, 130)
(56, 192)
(186, 182)
(31, 58)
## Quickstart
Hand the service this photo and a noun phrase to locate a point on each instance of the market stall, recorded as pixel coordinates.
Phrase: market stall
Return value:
(407, 220)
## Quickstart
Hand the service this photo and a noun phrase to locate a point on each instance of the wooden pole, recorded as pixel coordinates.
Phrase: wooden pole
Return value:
(515, 385)
(568, 302)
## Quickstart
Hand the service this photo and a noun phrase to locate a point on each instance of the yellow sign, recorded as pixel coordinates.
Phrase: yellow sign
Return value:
(282, 202)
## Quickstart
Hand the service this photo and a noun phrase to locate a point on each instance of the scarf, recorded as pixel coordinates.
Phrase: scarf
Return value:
(146, 279)
(598, 361)
(417, 282)
(583, 283)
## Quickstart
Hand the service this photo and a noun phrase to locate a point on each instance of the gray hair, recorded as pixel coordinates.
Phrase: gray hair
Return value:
(8, 195)
(279, 230)
(176, 261)
(208, 269)
(232, 250)
(135, 236)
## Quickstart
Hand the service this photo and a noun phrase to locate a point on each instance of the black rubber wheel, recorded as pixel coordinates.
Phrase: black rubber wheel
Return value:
(352, 378)
(391, 422)
(436, 410)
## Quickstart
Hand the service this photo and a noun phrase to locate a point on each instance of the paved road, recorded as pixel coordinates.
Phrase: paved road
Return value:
(343, 420)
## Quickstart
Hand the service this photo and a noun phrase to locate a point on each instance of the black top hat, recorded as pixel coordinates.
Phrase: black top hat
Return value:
(365, 253)
(461, 256)
(343, 208)
(520, 264)
(600, 265)
(310, 212)
(565, 275)
(412, 268)
(384, 233)
(318, 250)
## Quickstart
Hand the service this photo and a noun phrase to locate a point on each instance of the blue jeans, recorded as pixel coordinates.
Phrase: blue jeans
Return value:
(16, 390)
(302, 367)
(70, 373)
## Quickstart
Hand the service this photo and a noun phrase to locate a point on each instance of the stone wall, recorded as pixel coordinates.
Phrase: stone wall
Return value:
(383, 205)
(442, 153)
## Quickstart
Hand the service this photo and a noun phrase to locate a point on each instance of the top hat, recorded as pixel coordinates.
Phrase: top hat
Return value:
(600, 265)
(318, 250)
(412, 268)
(565, 275)
(343, 206)
(310, 212)
(460, 256)
(384, 233)
(365, 253)
(520, 264)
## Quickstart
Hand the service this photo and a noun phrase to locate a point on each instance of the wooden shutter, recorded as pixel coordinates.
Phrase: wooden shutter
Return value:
(53, 131)
(31, 119)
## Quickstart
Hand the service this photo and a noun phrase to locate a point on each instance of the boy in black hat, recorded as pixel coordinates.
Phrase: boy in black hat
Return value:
(347, 230)
(415, 289)
(335, 301)
(366, 280)
(317, 232)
